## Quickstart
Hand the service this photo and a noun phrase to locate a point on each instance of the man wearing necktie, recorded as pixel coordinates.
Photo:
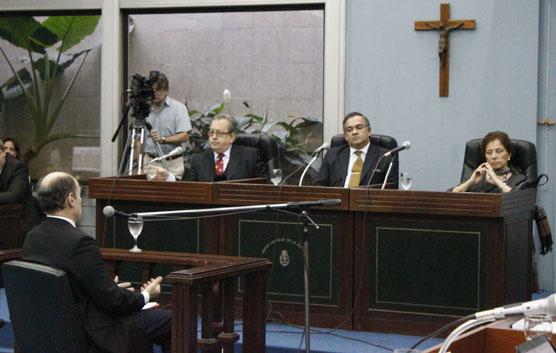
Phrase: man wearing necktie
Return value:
(224, 160)
(351, 165)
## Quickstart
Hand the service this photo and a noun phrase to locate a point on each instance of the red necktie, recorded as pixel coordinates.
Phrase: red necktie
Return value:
(219, 165)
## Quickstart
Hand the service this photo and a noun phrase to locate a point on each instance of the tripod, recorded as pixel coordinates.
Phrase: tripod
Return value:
(134, 144)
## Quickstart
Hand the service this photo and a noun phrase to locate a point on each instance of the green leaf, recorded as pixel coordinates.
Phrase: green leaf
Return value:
(71, 29)
(19, 30)
(65, 61)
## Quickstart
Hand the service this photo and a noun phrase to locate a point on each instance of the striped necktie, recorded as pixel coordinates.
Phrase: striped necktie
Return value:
(355, 177)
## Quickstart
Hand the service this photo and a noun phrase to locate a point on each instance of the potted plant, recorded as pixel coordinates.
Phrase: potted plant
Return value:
(48, 44)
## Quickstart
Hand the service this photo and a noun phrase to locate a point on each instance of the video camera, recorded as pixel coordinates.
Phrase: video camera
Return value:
(141, 94)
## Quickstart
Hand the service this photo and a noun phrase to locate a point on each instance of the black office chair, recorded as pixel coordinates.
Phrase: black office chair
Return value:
(524, 158)
(42, 310)
(268, 148)
(383, 141)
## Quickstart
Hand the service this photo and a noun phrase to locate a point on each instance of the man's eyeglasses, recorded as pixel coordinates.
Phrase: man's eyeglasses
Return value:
(218, 133)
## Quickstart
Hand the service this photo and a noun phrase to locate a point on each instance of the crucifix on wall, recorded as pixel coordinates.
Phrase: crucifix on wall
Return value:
(444, 27)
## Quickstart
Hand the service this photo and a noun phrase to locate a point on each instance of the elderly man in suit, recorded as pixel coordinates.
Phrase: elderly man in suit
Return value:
(225, 161)
(351, 165)
(15, 188)
(111, 313)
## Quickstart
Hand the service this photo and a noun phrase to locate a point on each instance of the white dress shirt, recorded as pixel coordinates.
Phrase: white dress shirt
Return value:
(353, 158)
(225, 159)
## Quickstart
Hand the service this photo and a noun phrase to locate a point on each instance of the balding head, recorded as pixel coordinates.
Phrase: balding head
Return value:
(59, 193)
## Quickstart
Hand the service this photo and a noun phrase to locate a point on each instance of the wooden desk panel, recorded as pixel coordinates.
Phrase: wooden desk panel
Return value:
(278, 237)
(494, 229)
(431, 266)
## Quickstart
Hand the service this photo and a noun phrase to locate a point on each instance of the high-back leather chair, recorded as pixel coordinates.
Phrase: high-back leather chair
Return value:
(268, 148)
(524, 158)
(42, 310)
(383, 141)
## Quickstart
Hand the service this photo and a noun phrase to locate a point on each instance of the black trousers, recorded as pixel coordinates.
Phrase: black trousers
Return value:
(153, 326)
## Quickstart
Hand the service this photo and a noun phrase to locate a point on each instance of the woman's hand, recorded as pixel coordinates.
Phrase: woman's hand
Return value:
(475, 177)
(479, 173)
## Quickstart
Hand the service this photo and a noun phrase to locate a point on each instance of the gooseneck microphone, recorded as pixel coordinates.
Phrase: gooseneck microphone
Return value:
(404, 146)
(539, 306)
(315, 154)
(110, 211)
(176, 151)
(322, 147)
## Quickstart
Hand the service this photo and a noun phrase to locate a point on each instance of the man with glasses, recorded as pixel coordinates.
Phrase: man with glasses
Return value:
(223, 160)
(351, 165)
(170, 124)
(15, 188)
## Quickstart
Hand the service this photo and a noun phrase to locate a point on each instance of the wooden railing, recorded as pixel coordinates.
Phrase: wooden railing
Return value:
(201, 275)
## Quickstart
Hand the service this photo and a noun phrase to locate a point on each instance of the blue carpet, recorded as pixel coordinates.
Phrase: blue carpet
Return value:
(287, 339)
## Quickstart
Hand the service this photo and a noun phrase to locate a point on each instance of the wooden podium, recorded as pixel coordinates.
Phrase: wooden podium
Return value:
(401, 261)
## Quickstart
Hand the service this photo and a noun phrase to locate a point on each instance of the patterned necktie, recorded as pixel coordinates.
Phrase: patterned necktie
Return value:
(219, 165)
(355, 177)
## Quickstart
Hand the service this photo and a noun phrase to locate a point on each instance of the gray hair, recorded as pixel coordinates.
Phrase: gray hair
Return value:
(231, 121)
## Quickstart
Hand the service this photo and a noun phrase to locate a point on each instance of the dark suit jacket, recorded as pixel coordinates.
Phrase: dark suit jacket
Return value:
(15, 188)
(334, 167)
(105, 309)
(245, 162)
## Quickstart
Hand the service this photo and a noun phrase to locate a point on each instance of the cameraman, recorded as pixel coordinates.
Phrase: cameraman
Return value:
(170, 125)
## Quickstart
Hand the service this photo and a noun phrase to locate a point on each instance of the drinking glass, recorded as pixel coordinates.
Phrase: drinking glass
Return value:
(276, 176)
(406, 180)
(135, 225)
(537, 325)
(151, 172)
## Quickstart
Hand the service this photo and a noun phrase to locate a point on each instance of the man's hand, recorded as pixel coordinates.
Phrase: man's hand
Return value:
(153, 287)
(125, 285)
(155, 135)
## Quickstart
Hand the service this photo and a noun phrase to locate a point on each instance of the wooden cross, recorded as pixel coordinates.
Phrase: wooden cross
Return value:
(444, 26)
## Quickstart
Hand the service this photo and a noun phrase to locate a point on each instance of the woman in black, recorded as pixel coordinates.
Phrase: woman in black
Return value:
(495, 174)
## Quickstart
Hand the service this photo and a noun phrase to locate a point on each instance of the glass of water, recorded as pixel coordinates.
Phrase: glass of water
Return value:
(276, 176)
(406, 180)
(135, 225)
(537, 325)
(151, 172)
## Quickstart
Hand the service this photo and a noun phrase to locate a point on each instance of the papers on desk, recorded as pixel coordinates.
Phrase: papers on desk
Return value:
(519, 326)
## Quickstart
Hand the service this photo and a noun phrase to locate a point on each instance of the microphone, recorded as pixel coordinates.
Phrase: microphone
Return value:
(109, 211)
(148, 125)
(322, 147)
(321, 202)
(404, 146)
(539, 306)
(172, 153)
(315, 155)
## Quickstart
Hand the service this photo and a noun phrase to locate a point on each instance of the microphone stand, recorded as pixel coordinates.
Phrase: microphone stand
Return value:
(388, 172)
(307, 168)
(158, 148)
(306, 282)
(304, 206)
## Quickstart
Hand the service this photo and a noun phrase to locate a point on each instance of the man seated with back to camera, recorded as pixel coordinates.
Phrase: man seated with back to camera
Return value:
(224, 160)
(110, 312)
(170, 124)
(15, 188)
(351, 165)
